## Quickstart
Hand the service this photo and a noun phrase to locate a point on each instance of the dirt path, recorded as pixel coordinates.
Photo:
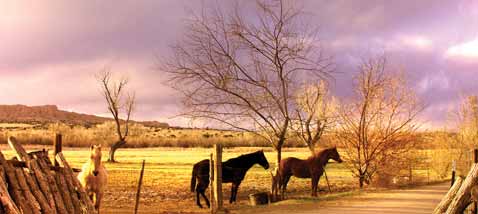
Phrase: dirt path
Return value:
(416, 200)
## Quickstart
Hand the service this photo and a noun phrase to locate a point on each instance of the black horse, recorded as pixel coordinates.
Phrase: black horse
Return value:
(233, 171)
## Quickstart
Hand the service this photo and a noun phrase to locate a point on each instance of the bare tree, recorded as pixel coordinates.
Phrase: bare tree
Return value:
(380, 123)
(243, 70)
(315, 114)
(118, 102)
(467, 121)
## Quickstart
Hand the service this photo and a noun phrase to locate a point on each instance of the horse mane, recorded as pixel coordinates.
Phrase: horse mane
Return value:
(321, 152)
(321, 155)
(238, 162)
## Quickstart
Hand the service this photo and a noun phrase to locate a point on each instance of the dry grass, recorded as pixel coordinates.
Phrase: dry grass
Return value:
(140, 136)
(168, 174)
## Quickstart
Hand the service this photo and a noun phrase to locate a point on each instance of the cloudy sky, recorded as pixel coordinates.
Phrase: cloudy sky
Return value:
(50, 50)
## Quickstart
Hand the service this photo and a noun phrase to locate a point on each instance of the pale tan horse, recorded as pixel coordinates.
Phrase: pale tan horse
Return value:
(93, 176)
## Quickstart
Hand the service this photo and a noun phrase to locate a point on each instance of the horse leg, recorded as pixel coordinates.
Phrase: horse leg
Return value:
(205, 198)
(233, 188)
(198, 200)
(276, 184)
(235, 191)
(284, 185)
(315, 182)
(98, 197)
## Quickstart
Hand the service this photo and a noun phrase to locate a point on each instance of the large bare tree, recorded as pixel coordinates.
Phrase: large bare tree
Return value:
(243, 68)
(118, 102)
(315, 114)
(380, 122)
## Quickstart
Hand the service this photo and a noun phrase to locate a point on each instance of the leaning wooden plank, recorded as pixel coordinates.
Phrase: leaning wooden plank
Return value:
(84, 197)
(27, 194)
(35, 188)
(43, 183)
(14, 187)
(445, 201)
(74, 194)
(462, 198)
(2, 173)
(65, 193)
(33, 165)
(18, 148)
(7, 202)
(60, 204)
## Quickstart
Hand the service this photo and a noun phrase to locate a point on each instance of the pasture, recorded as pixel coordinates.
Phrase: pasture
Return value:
(166, 185)
(168, 174)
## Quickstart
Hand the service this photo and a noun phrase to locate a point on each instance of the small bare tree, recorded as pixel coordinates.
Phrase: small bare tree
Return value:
(243, 70)
(380, 123)
(467, 121)
(118, 101)
(315, 114)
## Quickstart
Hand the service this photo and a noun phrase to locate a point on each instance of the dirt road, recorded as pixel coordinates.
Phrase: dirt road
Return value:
(416, 200)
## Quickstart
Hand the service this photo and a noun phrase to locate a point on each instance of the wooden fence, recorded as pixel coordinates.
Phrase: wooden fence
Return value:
(32, 184)
(463, 193)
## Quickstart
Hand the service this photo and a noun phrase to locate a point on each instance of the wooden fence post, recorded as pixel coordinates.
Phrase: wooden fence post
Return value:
(57, 147)
(218, 176)
(138, 192)
(211, 183)
(453, 172)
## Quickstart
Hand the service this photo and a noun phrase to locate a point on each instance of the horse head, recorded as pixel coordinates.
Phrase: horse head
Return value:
(95, 159)
(334, 155)
(262, 159)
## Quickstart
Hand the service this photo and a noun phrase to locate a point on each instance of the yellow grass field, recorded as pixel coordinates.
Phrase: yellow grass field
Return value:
(166, 185)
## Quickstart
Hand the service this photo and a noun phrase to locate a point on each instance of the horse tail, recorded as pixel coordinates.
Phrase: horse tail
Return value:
(193, 178)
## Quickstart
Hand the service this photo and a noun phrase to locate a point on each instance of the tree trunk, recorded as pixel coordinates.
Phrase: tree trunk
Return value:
(279, 157)
(113, 148)
(312, 149)
(361, 179)
(275, 191)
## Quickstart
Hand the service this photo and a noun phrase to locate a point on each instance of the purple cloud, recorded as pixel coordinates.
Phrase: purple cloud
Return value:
(51, 50)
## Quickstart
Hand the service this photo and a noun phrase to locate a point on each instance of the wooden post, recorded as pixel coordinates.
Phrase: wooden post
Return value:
(15, 189)
(8, 204)
(138, 192)
(57, 147)
(446, 200)
(27, 194)
(211, 183)
(453, 172)
(462, 198)
(218, 176)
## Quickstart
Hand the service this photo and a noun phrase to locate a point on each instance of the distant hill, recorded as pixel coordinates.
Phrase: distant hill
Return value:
(51, 114)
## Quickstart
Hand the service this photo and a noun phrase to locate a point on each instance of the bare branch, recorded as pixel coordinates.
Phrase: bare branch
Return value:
(232, 67)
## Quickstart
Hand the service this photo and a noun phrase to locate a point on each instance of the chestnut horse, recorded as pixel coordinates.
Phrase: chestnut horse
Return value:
(93, 176)
(233, 171)
(312, 167)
